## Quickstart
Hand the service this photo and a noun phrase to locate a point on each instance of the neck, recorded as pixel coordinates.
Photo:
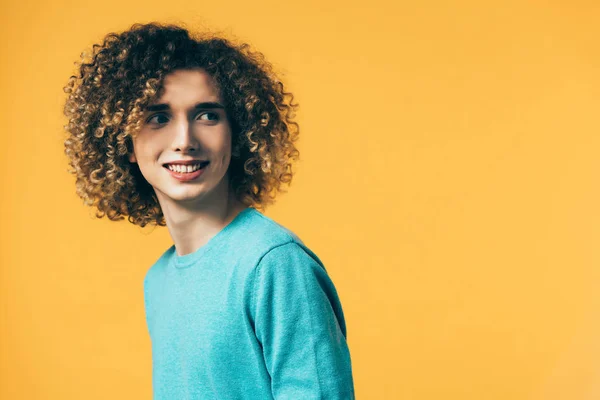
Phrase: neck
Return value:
(191, 227)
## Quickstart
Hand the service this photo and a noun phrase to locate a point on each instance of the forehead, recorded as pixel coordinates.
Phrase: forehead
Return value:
(186, 86)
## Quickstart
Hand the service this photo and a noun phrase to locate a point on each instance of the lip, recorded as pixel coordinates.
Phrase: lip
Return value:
(184, 176)
(185, 162)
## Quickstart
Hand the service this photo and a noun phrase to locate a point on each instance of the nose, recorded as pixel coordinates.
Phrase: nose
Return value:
(183, 137)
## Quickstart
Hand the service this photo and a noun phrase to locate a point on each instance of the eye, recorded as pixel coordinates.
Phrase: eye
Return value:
(157, 116)
(211, 116)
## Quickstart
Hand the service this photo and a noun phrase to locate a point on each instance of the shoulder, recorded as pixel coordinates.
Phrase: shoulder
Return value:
(159, 265)
(267, 232)
(286, 277)
(272, 241)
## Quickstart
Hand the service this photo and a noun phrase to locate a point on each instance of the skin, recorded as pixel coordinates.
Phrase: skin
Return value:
(196, 210)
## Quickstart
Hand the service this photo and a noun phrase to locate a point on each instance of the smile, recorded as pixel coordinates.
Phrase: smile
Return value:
(185, 168)
(186, 172)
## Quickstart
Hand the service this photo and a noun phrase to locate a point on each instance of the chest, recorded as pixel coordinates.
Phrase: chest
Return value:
(197, 320)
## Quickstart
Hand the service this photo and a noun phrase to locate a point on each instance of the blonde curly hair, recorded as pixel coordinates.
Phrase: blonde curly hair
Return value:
(114, 84)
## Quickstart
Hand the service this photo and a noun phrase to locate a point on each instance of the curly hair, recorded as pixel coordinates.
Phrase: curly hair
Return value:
(114, 84)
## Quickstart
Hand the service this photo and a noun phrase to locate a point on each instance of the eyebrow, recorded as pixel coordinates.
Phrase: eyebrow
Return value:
(205, 105)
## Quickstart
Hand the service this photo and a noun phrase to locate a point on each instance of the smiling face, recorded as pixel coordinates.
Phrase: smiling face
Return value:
(188, 122)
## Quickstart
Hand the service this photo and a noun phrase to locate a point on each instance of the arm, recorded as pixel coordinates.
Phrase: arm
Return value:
(300, 325)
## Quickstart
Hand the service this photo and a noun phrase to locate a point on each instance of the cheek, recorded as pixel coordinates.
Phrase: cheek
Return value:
(146, 148)
(222, 148)
(225, 159)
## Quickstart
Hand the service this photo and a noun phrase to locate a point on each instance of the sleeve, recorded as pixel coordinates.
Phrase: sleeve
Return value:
(300, 325)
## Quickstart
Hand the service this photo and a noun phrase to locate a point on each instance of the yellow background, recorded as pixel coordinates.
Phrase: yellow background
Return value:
(449, 179)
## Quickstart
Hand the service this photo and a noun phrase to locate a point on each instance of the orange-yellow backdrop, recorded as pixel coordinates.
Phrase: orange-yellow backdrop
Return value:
(449, 180)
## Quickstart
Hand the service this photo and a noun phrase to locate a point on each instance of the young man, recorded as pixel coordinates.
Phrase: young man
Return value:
(198, 134)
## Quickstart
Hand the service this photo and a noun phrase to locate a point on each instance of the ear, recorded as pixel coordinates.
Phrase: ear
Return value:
(132, 158)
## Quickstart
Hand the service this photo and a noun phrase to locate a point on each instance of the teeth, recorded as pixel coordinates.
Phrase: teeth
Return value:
(183, 168)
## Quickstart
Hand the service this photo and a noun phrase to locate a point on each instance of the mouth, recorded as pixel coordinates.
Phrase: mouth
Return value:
(186, 169)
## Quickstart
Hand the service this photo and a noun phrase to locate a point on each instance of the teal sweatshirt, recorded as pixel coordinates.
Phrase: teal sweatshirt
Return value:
(252, 314)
